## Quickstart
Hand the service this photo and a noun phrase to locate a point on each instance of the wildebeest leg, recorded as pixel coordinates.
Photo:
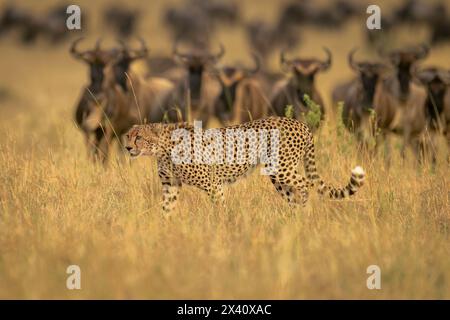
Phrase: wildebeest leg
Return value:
(383, 139)
(104, 139)
(90, 141)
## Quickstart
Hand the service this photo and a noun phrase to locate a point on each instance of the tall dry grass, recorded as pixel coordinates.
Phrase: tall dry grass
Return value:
(58, 209)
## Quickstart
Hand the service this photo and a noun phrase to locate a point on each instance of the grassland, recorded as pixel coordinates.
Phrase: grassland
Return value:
(58, 209)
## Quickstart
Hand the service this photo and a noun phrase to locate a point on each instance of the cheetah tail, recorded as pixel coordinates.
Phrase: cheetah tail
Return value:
(356, 179)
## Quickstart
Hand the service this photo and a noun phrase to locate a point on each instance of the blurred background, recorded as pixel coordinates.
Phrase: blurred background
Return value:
(35, 43)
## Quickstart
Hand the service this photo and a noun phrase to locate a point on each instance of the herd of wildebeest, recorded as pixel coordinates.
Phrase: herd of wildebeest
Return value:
(392, 95)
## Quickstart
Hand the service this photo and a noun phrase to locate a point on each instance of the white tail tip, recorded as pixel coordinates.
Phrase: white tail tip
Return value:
(358, 170)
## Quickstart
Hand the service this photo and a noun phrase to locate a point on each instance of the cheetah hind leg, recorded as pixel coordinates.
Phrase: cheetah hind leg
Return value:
(170, 197)
(294, 190)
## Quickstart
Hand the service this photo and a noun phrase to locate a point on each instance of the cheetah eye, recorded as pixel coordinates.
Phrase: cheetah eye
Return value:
(138, 138)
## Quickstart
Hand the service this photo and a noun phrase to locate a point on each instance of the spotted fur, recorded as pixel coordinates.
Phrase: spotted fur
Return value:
(296, 146)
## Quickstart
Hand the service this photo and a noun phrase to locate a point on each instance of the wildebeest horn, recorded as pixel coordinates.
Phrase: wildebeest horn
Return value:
(220, 54)
(351, 62)
(137, 54)
(142, 52)
(98, 44)
(74, 51)
(424, 75)
(326, 64)
(176, 52)
(283, 59)
(257, 64)
(123, 45)
(284, 62)
(422, 51)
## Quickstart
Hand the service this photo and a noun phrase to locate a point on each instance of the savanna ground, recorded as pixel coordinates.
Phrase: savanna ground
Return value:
(58, 209)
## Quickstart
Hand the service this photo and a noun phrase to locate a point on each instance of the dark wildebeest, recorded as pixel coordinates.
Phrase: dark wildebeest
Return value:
(440, 25)
(241, 98)
(123, 20)
(54, 24)
(88, 111)
(291, 91)
(190, 25)
(265, 38)
(132, 99)
(218, 11)
(358, 96)
(12, 17)
(117, 98)
(415, 11)
(437, 105)
(399, 102)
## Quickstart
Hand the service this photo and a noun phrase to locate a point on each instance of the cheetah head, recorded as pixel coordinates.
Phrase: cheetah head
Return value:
(142, 140)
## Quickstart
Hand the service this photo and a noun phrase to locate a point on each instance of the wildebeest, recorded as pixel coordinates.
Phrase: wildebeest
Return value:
(265, 38)
(218, 11)
(32, 26)
(88, 112)
(415, 11)
(196, 87)
(241, 97)
(130, 99)
(12, 17)
(399, 102)
(358, 95)
(122, 20)
(189, 25)
(437, 105)
(291, 91)
(196, 20)
(440, 25)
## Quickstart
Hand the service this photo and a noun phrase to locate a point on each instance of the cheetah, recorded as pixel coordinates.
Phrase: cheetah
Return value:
(295, 145)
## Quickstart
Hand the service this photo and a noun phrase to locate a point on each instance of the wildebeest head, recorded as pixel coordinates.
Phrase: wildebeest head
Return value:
(196, 62)
(404, 60)
(437, 82)
(96, 59)
(232, 75)
(368, 72)
(304, 70)
(436, 79)
(124, 58)
(229, 78)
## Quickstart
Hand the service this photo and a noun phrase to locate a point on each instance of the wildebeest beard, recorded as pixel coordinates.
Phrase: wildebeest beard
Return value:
(96, 77)
(404, 78)
(435, 100)
(369, 83)
(195, 81)
(303, 85)
(120, 70)
(228, 96)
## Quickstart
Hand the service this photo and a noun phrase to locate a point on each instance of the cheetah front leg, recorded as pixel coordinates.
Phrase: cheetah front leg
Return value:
(170, 191)
(170, 196)
(216, 194)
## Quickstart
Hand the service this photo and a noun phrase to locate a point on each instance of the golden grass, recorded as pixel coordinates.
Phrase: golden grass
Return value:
(58, 209)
